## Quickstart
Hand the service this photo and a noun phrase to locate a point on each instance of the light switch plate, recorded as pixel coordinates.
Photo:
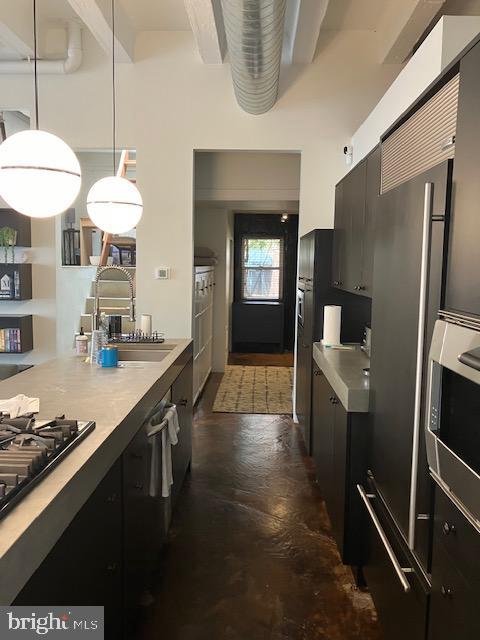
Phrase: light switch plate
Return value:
(162, 273)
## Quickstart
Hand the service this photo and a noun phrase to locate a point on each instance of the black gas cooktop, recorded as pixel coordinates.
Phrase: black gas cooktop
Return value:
(30, 449)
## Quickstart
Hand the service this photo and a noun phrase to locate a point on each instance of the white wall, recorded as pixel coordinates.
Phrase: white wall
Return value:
(444, 43)
(245, 176)
(170, 104)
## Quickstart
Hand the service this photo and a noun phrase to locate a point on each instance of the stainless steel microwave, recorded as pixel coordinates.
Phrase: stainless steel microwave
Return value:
(452, 427)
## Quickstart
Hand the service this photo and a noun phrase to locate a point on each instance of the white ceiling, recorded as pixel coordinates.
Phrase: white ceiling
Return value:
(365, 15)
(156, 15)
(170, 15)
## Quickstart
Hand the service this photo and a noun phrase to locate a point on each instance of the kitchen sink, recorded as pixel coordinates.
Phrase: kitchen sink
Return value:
(147, 352)
(142, 355)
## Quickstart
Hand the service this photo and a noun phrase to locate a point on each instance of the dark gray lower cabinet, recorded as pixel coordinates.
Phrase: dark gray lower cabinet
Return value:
(455, 574)
(182, 453)
(339, 449)
(146, 517)
(85, 566)
(303, 386)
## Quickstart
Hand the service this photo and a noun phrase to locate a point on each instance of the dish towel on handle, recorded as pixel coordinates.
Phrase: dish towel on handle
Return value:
(163, 433)
(169, 438)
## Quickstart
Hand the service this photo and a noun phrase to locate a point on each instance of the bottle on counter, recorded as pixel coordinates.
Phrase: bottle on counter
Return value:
(81, 344)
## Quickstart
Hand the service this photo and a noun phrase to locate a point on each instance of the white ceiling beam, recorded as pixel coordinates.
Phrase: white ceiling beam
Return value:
(303, 22)
(206, 20)
(96, 14)
(16, 26)
(403, 26)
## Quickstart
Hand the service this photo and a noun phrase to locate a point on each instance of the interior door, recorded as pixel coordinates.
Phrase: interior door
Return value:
(395, 320)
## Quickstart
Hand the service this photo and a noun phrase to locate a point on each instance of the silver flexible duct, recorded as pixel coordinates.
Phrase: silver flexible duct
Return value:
(254, 30)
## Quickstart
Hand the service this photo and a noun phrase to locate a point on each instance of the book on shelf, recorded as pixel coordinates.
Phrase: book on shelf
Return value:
(10, 286)
(10, 341)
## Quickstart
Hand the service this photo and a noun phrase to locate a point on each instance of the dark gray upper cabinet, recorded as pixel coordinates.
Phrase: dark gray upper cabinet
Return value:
(462, 292)
(372, 199)
(339, 236)
(356, 198)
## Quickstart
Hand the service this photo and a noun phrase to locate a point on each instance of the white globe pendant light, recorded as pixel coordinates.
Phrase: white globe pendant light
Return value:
(40, 175)
(114, 203)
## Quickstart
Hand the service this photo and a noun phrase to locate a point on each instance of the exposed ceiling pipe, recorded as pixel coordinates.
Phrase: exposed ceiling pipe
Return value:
(254, 30)
(70, 64)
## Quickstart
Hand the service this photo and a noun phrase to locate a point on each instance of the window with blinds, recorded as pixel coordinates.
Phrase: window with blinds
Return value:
(426, 139)
(262, 268)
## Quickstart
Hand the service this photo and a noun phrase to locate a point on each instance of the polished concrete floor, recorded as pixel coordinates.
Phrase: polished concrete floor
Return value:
(250, 555)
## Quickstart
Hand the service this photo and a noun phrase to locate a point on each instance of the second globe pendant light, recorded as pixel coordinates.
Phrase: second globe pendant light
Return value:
(114, 203)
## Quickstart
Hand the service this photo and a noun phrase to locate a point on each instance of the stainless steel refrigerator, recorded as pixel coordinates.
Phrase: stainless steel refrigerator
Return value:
(410, 242)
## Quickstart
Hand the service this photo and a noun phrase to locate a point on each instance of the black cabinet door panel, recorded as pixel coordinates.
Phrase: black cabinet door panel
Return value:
(402, 615)
(372, 196)
(339, 237)
(303, 387)
(340, 474)
(182, 452)
(322, 433)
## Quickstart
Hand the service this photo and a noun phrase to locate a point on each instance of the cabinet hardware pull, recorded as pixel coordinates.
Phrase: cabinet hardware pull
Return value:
(336, 283)
(448, 528)
(334, 401)
(182, 403)
(112, 566)
(138, 486)
(112, 497)
(399, 570)
(317, 372)
(446, 592)
(422, 319)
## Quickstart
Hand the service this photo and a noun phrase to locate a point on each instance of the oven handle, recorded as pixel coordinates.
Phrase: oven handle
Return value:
(399, 570)
(471, 359)
(422, 319)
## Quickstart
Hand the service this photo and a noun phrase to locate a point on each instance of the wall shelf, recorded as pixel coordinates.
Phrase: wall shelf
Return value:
(16, 334)
(22, 225)
(20, 277)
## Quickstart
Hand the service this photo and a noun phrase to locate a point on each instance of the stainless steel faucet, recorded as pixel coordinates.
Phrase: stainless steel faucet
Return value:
(100, 272)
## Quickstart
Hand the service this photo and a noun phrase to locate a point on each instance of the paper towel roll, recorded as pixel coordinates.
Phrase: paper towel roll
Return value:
(331, 324)
(146, 324)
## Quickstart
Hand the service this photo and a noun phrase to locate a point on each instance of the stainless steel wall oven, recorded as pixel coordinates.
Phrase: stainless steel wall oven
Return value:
(452, 427)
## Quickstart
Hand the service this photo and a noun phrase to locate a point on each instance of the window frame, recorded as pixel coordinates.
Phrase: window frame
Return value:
(281, 266)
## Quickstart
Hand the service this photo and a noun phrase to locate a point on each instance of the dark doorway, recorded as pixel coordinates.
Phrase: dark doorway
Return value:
(265, 265)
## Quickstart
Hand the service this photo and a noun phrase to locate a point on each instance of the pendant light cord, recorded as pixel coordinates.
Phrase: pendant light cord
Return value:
(35, 61)
(114, 111)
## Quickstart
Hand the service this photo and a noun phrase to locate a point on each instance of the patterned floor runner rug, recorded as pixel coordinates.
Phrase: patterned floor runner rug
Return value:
(255, 390)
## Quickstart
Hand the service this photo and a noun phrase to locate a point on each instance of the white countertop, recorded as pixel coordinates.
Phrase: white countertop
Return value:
(344, 371)
(117, 400)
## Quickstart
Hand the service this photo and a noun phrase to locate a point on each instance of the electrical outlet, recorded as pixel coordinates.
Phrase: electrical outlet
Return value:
(162, 273)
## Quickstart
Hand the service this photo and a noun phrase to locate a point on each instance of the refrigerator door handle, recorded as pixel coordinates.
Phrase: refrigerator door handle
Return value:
(399, 570)
(422, 319)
